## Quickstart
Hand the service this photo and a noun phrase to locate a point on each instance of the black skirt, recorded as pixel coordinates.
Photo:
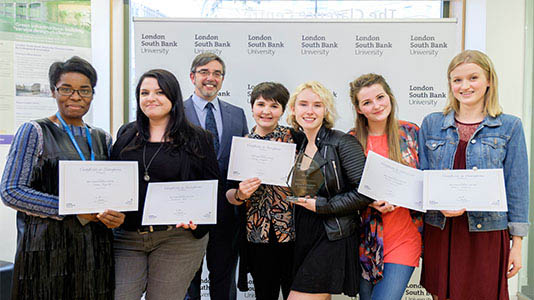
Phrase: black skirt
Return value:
(321, 265)
(63, 260)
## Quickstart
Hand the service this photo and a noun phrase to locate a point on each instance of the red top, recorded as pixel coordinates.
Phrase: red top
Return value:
(402, 241)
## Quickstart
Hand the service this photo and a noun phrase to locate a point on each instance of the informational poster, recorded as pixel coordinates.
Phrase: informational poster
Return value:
(412, 55)
(33, 35)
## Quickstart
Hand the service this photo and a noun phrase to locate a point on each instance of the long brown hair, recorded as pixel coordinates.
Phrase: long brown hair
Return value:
(362, 125)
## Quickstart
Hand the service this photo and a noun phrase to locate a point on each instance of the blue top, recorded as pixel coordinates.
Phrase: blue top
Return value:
(498, 143)
(24, 155)
(201, 110)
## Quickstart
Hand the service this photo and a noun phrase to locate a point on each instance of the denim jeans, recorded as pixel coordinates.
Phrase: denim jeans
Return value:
(162, 263)
(392, 285)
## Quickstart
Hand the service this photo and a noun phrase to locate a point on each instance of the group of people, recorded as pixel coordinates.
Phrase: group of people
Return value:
(333, 241)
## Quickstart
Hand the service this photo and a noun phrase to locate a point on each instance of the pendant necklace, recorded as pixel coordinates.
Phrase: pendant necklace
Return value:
(370, 142)
(146, 177)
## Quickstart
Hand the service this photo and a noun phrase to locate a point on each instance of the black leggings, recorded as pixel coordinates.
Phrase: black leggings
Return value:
(271, 266)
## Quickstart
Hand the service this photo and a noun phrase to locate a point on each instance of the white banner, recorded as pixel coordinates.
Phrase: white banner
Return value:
(412, 55)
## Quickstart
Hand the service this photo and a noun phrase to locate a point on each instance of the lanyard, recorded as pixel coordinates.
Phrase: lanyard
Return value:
(71, 136)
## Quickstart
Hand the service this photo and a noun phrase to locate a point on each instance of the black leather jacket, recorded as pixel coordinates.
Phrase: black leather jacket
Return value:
(342, 159)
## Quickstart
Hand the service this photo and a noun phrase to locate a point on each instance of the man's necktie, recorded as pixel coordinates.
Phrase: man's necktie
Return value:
(211, 126)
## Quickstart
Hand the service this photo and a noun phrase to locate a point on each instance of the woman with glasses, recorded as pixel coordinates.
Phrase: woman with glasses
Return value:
(59, 257)
(326, 221)
(390, 238)
(161, 260)
(269, 217)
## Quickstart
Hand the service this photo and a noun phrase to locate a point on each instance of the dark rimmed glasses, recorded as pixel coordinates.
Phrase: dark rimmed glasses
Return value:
(68, 91)
(206, 73)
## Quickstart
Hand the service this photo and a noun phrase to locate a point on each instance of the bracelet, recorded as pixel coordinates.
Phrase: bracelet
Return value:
(237, 198)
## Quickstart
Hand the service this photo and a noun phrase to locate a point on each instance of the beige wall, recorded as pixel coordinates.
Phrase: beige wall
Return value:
(505, 44)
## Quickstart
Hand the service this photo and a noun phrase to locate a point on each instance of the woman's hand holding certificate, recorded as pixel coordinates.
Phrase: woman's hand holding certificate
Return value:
(269, 161)
(384, 179)
(185, 203)
(87, 187)
(474, 190)
(450, 191)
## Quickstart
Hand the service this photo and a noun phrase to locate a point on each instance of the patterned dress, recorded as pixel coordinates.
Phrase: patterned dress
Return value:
(270, 233)
(267, 206)
(57, 257)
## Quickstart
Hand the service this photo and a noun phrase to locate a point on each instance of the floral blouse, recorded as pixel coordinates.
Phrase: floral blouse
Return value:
(267, 207)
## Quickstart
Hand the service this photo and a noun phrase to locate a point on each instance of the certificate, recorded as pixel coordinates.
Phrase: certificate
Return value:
(474, 190)
(270, 161)
(180, 202)
(94, 186)
(385, 179)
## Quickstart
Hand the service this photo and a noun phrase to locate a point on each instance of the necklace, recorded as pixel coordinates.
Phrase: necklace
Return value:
(370, 142)
(146, 177)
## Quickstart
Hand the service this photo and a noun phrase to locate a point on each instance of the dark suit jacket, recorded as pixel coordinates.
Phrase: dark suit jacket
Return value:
(234, 124)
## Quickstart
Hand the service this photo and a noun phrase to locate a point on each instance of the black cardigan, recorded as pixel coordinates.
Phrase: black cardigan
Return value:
(170, 164)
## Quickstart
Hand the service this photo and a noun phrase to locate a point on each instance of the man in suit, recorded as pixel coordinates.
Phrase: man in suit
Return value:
(224, 121)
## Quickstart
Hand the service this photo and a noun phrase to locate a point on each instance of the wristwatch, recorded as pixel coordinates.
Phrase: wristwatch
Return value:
(237, 198)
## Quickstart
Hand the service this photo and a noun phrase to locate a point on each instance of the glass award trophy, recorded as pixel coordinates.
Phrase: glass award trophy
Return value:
(305, 179)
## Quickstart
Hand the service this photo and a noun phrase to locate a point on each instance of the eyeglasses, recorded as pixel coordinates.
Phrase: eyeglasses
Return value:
(68, 91)
(206, 73)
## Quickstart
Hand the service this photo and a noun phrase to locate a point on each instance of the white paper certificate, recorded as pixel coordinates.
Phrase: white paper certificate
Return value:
(169, 203)
(94, 186)
(385, 179)
(474, 190)
(270, 161)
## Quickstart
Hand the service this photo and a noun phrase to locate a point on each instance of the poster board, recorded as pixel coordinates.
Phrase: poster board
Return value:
(33, 35)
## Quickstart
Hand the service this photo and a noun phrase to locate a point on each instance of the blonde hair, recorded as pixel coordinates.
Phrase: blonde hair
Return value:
(323, 93)
(491, 98)
(362, 125)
